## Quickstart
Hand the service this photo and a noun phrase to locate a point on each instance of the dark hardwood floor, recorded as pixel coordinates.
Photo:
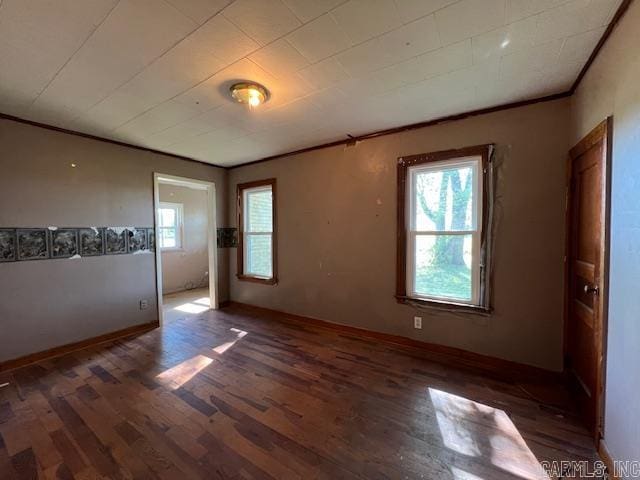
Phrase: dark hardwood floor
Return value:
(233, 394)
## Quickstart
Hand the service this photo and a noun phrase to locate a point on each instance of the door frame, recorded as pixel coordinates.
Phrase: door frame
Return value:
(210, 188)
(603, 131)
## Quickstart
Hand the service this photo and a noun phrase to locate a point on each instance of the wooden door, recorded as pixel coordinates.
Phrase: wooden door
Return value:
(586, 273)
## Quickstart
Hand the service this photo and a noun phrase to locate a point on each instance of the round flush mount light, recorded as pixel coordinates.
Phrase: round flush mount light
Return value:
(252, 94)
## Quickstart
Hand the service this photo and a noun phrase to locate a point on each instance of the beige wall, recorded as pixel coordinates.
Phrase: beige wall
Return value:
(48, 303)
(612, 87)
(337, 233)
(188, 266)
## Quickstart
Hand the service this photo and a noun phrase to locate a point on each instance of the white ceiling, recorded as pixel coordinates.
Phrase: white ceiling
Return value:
(156, 73)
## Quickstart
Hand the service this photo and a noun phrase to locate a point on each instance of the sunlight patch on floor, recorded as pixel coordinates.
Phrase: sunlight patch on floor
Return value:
(473, 429)
(220, 349)
(177, 376)
(459, 474)
(191, 308)
(449, 408)
(206, 301)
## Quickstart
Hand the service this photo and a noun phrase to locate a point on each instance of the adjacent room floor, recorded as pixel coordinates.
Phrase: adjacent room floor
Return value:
(239, 394)
(181, 304)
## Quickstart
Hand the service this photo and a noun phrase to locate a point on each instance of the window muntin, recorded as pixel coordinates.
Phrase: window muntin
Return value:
(444, 230)
(170, 225)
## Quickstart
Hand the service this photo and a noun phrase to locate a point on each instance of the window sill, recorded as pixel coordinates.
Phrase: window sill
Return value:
(444, 306)
(264, 281)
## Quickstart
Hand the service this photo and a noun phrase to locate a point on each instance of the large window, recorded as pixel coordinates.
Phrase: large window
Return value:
(257, 238)
(443, 218)
(170, 226)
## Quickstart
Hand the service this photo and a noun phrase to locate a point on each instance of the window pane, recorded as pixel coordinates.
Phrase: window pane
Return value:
(443, 266)
(259, 212)
(444, 199)
(167, 217)
(258, 256)
(168, 238)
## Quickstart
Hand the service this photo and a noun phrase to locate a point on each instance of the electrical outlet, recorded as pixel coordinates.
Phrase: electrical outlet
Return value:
(144, 304)
(417, 322)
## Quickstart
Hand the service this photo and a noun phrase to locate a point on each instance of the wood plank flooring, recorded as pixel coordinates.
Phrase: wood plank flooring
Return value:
(230, 394)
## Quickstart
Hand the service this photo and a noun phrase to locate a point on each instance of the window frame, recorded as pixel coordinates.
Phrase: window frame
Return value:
(406, 169)
(179, 209)
(241, 188)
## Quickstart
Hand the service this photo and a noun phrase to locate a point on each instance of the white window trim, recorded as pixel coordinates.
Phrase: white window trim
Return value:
(179, 208)
(476, 233)
(246, 234)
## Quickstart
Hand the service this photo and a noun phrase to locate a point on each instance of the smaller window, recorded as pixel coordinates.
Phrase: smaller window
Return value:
(170, 226)
(257, 236)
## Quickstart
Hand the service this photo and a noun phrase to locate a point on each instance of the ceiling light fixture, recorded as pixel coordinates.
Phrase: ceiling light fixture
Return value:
(253, 94)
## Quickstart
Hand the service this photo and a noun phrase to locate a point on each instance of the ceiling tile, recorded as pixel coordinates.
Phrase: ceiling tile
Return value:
(578, 48)
(197, 57)
(262, 20)
(287, 88)
(288, 113)
(157, 119)
(365, 58)
(438, 62)
(403, 73)
(412, 39)
(219, 38)
(447, 59)
(37, 38)
(572, 18)
(324, 73)
(518, 65)
(458, 80)
(249, 120)
(201, 54)
(413, 9)
(505, 40)
(235, 151)
(106, 60)
(469, 18)
(200, 10)
(319, 39)
(112, 112)
(357, 90)
(307, 10)
(500, 92)
(559, 78)
(279, 57)
(519, 9)
(328, 98)
(212, 140)
(192, 127)
(364, 19)
(405, 42)
(208, 50)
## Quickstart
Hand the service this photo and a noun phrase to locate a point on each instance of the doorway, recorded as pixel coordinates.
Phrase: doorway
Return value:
(587, 273)
(186, 246)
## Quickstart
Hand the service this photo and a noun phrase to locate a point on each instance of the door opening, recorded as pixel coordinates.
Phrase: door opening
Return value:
(586, 271)
(186, 250)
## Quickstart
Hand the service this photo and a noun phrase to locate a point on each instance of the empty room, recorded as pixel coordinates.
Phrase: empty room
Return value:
(319, 239)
